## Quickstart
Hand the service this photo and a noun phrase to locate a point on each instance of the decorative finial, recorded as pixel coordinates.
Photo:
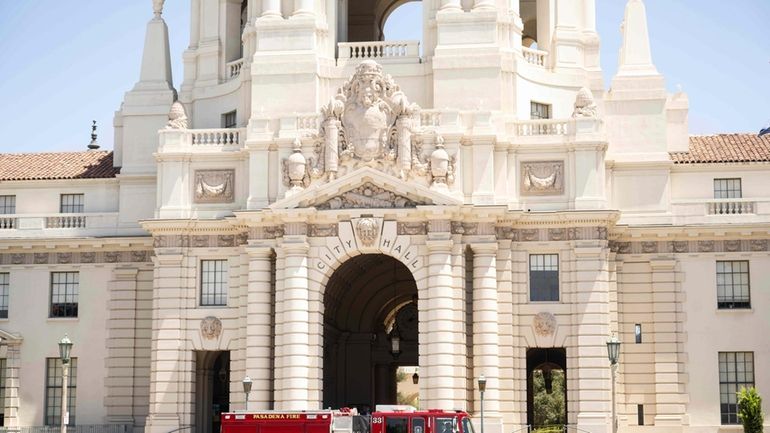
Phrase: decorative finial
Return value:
(93, 145)
(157, 7)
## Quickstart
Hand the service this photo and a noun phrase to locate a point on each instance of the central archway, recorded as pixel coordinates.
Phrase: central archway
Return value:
(368, 299)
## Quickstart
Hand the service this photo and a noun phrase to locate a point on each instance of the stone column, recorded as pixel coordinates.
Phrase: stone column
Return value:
(670, 393)
(444, 383)
(587, 362)
(195, 23)
(484, 5)
(292, 363)
(271, 9)
(451, 5)
(486, 326)
(172, 369)
(303, 9)
(121, 345)
(259, 332)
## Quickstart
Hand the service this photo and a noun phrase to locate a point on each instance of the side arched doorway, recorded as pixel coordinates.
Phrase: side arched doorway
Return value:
(547, 387)
(369, 300)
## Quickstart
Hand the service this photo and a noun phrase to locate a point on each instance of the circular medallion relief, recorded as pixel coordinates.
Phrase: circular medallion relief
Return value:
(544, 324)
(211, 328)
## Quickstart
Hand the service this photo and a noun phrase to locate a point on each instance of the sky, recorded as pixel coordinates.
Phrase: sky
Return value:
(65, 63)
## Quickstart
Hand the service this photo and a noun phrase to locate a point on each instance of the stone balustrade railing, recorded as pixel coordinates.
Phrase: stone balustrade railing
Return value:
(233, 69)
(535, 57)
(528, 128)
(7, 223)
(380, 50)
(730, 207)
(308, 122)
(430, 118)
(36, 225)
(65, 222)
(216, 137)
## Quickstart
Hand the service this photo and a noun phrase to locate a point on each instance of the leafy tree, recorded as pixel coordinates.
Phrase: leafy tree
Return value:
(549, 408)
(408, 399)
(750, 410)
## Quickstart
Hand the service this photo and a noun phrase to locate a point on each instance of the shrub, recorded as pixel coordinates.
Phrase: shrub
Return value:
(750, 410)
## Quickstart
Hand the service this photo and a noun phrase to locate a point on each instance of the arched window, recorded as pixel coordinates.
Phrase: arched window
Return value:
(403, 21)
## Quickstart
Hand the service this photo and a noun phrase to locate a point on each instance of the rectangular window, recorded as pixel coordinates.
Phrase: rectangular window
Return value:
(5, 281)
(64, 294)
(229, 120)
(539, 111)
(544, 277)
(53, 388)
(733, 284)
(3, 375)
(736, 371)
(71, 203)
(396, 425)
(213, 282)
(638, 333)
(7, 204)
(727, 188)
(639, 414)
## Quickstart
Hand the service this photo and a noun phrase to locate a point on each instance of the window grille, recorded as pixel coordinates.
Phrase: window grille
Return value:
(539, 111)
(53, 388)
(733, 284)
(7, 204)
(3, 376)
(230, 120)
(213, 283)
(64, 294)
(544, 277)
(736, 371)
(727, 188)
(5, 281)
(72, 203)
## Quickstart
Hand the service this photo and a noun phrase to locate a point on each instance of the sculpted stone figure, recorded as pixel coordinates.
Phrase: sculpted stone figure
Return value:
(368, 123)
(157, 7)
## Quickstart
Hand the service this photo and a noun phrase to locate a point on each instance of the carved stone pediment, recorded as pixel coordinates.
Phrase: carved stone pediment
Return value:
(368, 196)
(366, 188)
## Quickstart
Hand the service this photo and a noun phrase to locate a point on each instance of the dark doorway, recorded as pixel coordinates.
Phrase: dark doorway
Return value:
(369, 300)
(212, 389)
(546, 387)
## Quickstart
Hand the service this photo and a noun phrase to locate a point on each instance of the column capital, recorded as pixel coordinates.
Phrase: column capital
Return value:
(439, 245)
(293, 245)
(259, 251)
(484, 248)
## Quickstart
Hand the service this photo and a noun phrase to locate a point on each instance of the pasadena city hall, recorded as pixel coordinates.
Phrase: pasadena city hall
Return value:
(315, 206)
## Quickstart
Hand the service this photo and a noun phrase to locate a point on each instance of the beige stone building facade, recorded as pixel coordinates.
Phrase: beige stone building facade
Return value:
(310, 192)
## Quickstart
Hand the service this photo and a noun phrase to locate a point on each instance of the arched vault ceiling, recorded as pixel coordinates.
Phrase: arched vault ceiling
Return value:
(362, 292)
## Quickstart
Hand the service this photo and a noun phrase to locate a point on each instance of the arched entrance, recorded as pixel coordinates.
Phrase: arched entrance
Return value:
(368, 301)
(546, 387)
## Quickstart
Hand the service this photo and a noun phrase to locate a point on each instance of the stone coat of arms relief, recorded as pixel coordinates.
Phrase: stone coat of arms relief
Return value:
(370, 123)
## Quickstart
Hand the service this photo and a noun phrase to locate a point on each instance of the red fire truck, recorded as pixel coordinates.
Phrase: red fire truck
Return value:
(386, 419)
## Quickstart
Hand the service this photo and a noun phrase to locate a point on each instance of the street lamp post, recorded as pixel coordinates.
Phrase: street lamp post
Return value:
(482, 388)
(247, 389)
(65, 347)
(613, 353)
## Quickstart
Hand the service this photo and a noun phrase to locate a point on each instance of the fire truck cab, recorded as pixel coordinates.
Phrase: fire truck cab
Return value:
(406, 419)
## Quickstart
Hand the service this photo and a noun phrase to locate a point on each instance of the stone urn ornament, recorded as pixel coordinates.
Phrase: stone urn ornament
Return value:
(296, 167)
(439, 163)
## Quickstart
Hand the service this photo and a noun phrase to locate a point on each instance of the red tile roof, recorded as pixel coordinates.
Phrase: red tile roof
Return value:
(64, 165)
(721, 148)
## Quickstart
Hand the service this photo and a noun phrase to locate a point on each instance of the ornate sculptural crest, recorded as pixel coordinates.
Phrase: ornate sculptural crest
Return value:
(370, 122)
